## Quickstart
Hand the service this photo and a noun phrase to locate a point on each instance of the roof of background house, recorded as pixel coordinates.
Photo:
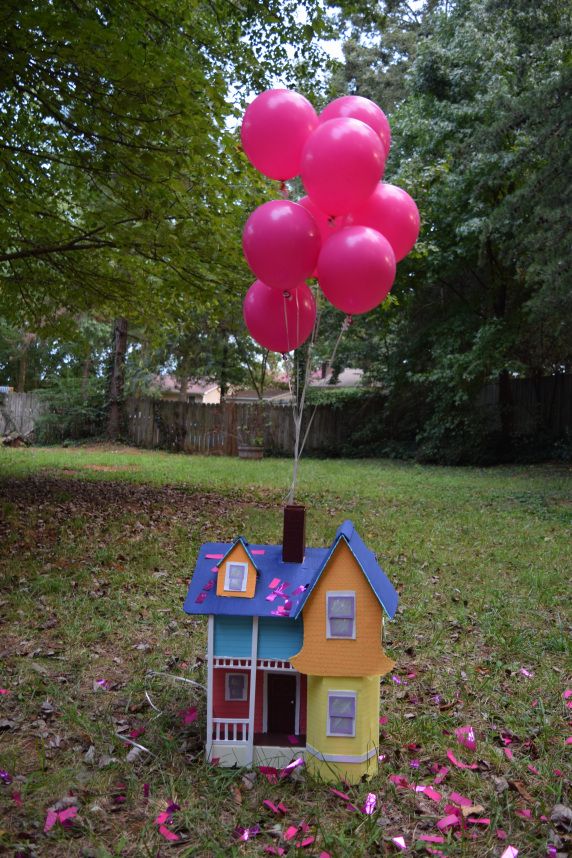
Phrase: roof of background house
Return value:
(169, 382)
(281, 585)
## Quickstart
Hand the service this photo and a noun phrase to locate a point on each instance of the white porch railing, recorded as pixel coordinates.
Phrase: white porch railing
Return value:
(230, 730)
(273, 664)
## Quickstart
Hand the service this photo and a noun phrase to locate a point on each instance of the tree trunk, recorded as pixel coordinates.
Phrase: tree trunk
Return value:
(506, 413)
(117, 380)
(85, 371)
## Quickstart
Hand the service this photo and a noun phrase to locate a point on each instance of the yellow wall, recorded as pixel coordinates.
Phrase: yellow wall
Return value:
(367, 728)
(236, 555)
(363, 656)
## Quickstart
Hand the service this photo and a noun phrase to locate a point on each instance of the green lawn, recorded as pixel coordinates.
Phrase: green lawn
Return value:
(98, 545)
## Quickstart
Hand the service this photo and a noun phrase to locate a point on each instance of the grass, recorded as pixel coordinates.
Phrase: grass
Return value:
(98, 545)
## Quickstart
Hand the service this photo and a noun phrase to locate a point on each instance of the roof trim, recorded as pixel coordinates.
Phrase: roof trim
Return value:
(242, 541)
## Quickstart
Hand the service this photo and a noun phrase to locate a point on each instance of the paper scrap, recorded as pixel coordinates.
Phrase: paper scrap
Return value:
(466, 737)
(214, 556)
(449, 821)
(369, 804)
(510, 852)
(430, 838)
(399, 842)
(274, 583)
(201, 597)
(257, 551)
(441, 775)
(293, 740)
(458, 763)
(432, 793)
(461, 800)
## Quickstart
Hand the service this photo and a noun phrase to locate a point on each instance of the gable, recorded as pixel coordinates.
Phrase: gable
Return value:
(359, 655)
(236, 576)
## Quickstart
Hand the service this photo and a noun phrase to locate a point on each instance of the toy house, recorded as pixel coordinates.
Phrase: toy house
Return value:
(294, 651)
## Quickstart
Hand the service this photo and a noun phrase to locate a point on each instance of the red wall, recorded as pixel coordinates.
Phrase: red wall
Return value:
(227, 708)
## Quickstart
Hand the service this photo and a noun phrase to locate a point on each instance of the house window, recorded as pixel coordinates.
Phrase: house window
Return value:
(341, 615)
(236, 686)
(341, 713)
(236, 577)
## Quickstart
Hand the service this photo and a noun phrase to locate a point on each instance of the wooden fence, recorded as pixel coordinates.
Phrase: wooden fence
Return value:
(219, 429)
(19, 412)
(540, 407)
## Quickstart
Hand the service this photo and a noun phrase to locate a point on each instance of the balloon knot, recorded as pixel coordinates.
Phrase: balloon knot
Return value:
(287, 294)
(347, 322)
(284, 192)
(331, 221)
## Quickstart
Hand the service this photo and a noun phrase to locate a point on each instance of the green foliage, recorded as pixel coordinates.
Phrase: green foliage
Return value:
(124, 188)
(71, 408)
(481, 140)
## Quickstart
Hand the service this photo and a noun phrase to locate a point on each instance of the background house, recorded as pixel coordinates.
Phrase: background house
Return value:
(197, 390)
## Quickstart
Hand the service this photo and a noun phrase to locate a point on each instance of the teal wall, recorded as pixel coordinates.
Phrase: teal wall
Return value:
(233, 636)
(279, 638)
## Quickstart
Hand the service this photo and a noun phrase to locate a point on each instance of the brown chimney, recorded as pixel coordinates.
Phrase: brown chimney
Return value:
(294, 536)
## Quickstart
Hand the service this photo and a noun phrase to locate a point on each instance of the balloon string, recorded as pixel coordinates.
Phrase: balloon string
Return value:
(345, 325)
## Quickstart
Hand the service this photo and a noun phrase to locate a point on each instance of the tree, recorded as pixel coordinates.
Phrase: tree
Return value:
(482, 141)
(123, 187)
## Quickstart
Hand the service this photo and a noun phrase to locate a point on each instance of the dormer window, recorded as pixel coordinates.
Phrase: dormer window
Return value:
(236, 577)
(341, 614)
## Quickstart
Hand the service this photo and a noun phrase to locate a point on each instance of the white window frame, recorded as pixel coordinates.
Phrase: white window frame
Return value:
(336, 594)
(244, 567)
(351, 694)
(227, 696)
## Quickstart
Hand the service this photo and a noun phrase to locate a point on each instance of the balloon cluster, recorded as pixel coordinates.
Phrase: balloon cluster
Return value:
(349, 231)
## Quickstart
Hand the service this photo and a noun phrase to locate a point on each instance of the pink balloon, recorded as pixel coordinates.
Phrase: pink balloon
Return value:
(391, 211)
(279, 321)
(327, 226)
(281, 242)
(342, 162)
(356, 269)
(274, 130)
(357, 107)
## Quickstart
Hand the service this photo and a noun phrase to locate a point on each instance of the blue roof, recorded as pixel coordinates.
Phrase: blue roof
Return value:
(287, 596)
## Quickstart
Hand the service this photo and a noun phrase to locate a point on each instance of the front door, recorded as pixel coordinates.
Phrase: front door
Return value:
(281, 703)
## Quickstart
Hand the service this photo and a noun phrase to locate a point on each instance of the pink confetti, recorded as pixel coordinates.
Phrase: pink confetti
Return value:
(441, 775)
(449, 821)
(399, 781)
(524, 814)
(567, 694)
(214, 556)
(188, 716)
(558, 773)
(67, 814)
(4, 691)
(466, 737)
(145, 790)
(501, 834)
(293, 740)
(287, 770)
(399, 842)
(431, 838)
(339, 794)
(324, 855)
(369, 804)
(533, 769)
(382, 758)
(291, 832)
(208, 586)
(568, 741)
(201, 597)
(301, 588)
(17, 798)
(136, 732)
(384, 720)
(275, 808)
(398, 680)
(257, 551)
(307, 841)
(214, 569)
(274, 583)
(479, 820)
(270, 773)
(510, 852)
(551, 851)
(271, 597)
(432, 793)
(51, 819)
(458, 763)
(414, 764)
(526, 672)
(103, 683)
(508, 753)
(461, 800)
(245, 834)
